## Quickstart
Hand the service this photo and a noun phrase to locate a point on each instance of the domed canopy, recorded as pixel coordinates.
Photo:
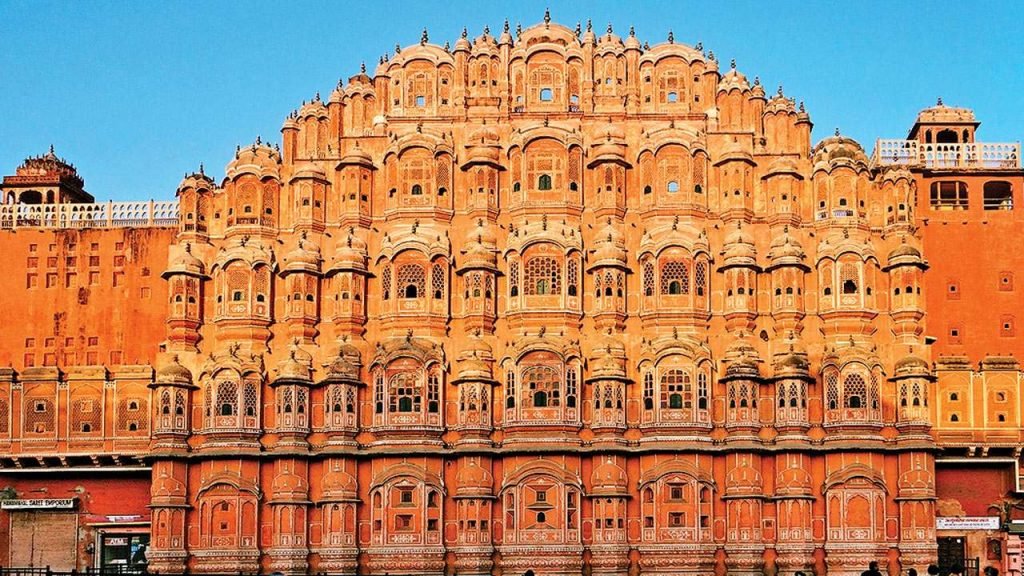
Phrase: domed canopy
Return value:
(739, 249)
(839, 149)
(786, 250)
(292, 370)
(608, 360)
(906, 254)
(350, 253)
(345, 367)
(173, 374)
(357, 157)
(742, 360)
(481, 251)
(911, 366)
(196, 181)
(304, 258)
(339, 486)
(610, 248)
(258, 159)
(474, 480)
(609, 479)
(475, 361)
(186, 264)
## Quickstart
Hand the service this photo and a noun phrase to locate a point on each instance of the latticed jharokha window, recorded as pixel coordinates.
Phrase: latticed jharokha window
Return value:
(949, 195)
(513, 278)
(543, 276)
(676, 391)
(86, 417)
(5, 417)
(543, 387)
(406, 393)
(675, 278)
(648, 278)
(437, 281)
(700, 277)
(385, 281)
(411, 281)
(39, 416)
(132, 415)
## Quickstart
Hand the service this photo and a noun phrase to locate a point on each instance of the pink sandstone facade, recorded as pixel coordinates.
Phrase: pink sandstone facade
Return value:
(550, 301)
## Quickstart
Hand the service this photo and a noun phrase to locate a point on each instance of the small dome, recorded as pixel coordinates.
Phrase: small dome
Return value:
(739, 248)
(942, 114)
(292, 369)
(474, 480)
(839, 149)
(187, 264)
(339, 486)
(609, 479)
(786, 250)
(304, 258)
(475, 360)
(610, 247)
(196, 181)
(779, 104)
(357, 157)
(288, 485)
(632, 43)
(742, 359)
(608, 359)
(309, 170)
(346, 365)
(911, 366)
(258, 159)
(733, 80)
(174, 373)
(481, 250)
(350, 253)
(906, 254)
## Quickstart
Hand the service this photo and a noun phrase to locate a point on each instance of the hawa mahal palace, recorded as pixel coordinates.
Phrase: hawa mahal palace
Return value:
(548, 302)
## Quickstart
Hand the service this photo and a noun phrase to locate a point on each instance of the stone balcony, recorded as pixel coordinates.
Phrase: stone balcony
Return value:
(972, 155)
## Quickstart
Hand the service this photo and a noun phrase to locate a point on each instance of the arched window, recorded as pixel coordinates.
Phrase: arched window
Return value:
(676, 391)
(411, 281)
(417, 190)
(672, 187)
(542, 386)
(675, 278)
(543, 276)
(544, 182)
(648, 391)
(855, 391)
(227, 398)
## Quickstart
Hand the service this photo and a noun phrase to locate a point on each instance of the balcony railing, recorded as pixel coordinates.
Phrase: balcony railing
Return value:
(100, 215)
(911, 153)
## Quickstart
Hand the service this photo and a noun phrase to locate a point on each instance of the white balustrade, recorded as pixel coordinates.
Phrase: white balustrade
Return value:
(100, 215)
(990, 155)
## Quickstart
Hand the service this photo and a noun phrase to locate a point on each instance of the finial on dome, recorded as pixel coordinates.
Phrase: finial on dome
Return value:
(505, 26)
(711, 56)
(52, 153)
(632, 32)
(647, 45)
(699, 46)
(757, 80)
(447, 46)
(837, 130)
(317, 97)
(201, 169)
(938, 103)
(519, 29)
(732, 63)
(424, 37)
(609, 28)
(779, 91)
(362, 67)
(465, 32)
(671, 37)
(258, 140)
(547, 16)
(398, 49)
(578, 30)
(188, 247)
(802, 108)
(590, 25)
(487, 30)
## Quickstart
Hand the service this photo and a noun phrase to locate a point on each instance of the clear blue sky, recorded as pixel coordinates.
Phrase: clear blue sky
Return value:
(137, 93)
